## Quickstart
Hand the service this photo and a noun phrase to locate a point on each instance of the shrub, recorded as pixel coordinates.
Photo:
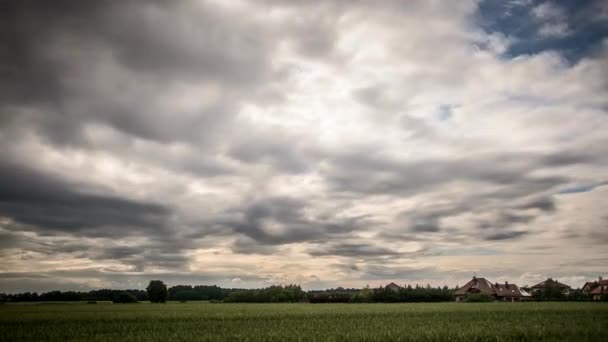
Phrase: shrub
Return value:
(363, 296)
(125, 298)
(479, 298)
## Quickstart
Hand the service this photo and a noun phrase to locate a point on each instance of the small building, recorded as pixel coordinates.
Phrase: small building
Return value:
(596, 289)
(501, 292)
(540, 287)
(394, 287)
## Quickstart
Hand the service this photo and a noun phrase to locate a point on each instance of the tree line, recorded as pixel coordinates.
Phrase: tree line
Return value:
(158, 292)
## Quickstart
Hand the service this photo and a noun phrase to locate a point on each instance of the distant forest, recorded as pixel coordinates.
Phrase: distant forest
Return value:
(272, 294)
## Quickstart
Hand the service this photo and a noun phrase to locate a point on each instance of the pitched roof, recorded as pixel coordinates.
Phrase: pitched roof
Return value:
(510, 290)
(600, 290)
(482, 285)
(593, 284)
(477, 285)
(543, 284)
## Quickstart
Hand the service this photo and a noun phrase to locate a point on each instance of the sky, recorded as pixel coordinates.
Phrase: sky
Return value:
(323, 143)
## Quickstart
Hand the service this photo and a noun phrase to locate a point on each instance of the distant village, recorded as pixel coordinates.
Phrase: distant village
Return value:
(478, 289)
(550, 289)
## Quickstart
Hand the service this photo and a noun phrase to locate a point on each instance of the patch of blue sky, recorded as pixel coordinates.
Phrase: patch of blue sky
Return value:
(443, 112)
(573, 28)
(581, 188)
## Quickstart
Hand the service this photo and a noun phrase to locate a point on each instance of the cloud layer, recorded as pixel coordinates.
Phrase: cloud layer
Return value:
(337, 143)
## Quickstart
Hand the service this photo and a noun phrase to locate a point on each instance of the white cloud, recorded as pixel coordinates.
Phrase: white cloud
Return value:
(553, 20)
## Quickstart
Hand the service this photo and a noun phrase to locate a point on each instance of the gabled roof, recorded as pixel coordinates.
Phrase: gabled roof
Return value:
(555, 283)
(482, 285)
(596, 283)
(600, 290)
(477, 285)
(510, 290)
(393, 285)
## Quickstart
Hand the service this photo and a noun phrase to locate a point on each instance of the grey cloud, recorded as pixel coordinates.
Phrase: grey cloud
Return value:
(283, 152)
(377, 174)
(281, 220)
(505, 235)
(567, 158)
(428, 222)
(247, 245)
(395, 272)
(50, 204)
(500, 227)
(515, 218)
(375, 97)
(57, 65)
(355, 250)
(542, 203)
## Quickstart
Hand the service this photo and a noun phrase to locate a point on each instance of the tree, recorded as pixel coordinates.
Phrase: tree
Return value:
(157, 291)
(124, 298)
(479, 298)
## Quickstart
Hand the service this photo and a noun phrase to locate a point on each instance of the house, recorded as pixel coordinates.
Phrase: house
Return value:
(550, 283)
(596, 289)
(394, 287)
(502, 292)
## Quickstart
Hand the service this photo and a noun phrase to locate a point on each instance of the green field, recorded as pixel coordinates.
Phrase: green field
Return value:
(321, 322)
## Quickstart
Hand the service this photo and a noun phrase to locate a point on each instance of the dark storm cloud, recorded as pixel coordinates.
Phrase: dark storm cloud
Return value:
(429, 226)
(247, 245)
(505, 235)
(542, 203)
(496, 212)
(373, 173)
(355, 250)
(283, 152)
(50, 204)
(146, 36)
(67, 64)
(282, 220)
(422, 221)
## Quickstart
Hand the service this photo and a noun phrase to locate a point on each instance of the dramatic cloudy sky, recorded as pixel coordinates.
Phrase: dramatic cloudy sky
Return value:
(326, 143)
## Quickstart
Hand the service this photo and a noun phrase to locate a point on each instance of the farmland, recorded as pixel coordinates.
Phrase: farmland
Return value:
(279, 322)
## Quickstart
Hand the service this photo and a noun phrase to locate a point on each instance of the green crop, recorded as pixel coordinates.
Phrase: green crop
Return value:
(305, 322)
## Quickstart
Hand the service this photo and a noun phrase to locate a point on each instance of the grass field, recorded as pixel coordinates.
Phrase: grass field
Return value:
(321, 322)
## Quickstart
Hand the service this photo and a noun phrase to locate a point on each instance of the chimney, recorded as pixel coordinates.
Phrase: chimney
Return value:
(600, 278)
(506, 284)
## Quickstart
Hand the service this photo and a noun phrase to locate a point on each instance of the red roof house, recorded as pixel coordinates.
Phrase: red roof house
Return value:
(596, 289)
(502, 292)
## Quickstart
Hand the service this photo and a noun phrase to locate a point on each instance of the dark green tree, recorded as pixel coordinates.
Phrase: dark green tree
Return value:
(157, 291)
(124, 298)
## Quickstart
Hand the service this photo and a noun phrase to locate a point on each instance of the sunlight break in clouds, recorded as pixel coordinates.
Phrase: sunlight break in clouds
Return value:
(326, 143)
